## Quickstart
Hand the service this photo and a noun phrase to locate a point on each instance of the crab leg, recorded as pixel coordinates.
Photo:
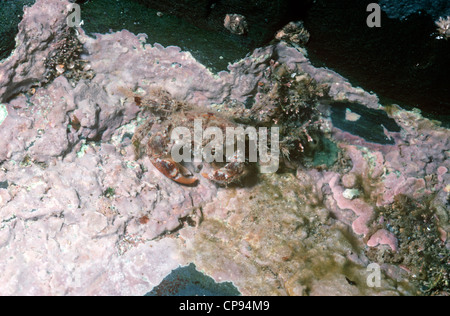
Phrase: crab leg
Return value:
(140, 133)
(173, 170)
(230, 173)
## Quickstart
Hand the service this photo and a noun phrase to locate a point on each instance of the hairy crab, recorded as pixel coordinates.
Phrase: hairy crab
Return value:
(153, 137)
(285, 98)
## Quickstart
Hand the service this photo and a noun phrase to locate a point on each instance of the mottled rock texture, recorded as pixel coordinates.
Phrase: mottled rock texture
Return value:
(278, 238)
(41, 28)
(80, 215)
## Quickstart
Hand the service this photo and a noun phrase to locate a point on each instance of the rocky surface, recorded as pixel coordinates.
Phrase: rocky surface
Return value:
(39, 30)
(279, 238)
(79, 215)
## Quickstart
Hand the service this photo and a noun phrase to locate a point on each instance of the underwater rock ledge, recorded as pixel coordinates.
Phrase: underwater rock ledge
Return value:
(80, 215)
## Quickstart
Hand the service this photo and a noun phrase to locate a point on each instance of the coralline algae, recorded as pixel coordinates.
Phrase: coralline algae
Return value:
(102, 223)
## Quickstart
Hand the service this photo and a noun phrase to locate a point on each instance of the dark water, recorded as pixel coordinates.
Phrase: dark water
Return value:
(370, 125)
(401, 61)
(187, 281)
(11, 12)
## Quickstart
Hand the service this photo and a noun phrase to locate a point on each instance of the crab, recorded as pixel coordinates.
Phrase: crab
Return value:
(153, 138)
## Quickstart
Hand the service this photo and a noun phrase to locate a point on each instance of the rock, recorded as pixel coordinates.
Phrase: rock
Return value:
(349, 180)
(351, 194)
(294, 33)
(236, 24)
(264, 16)
(80, 215)
(42, 27)
(383, 237)
(280, 256)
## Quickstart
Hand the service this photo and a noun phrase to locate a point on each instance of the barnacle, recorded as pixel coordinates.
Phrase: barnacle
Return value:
(66, 59)
(290, 101)
(443, 25)
(293, 33)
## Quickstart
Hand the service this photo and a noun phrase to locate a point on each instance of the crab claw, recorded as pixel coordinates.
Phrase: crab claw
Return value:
(174, 171)
(230, 173)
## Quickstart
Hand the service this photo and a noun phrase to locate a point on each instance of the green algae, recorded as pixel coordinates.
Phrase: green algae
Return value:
(420, 249)
(83, 149)
(279, 239)
(3, 113)
(109, 193)
(327, 154)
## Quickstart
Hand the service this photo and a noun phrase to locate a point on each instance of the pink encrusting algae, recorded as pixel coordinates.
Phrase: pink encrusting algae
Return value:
(81, 214)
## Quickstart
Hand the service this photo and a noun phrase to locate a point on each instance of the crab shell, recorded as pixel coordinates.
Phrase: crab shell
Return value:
(159, 152)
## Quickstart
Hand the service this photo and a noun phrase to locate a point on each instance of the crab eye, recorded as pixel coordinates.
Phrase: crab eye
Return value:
(138, 101)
